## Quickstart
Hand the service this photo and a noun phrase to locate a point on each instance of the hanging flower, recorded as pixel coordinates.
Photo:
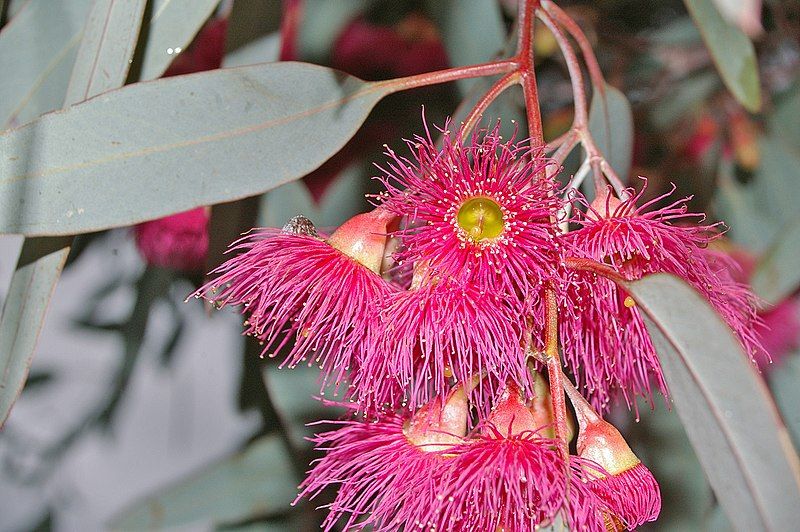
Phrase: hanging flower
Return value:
(388, 472)
(178, 242)
(441, 332)
(477, 212)
(321, 295)
(406, 472)
(604, 337)
(511, 478)
(624, 484)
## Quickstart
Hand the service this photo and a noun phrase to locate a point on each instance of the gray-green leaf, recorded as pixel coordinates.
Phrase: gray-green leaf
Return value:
(777, 274)
(725, 406)
(37, 51)
(255, 483)
(731, 50)
(611, 126)
(153, 149)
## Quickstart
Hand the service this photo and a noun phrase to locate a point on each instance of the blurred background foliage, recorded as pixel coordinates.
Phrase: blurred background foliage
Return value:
(740, 165)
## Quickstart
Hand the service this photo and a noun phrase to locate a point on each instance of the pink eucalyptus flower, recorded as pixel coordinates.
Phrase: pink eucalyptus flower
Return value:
(388, 471)
(478, 212)
(511, 478)
(319, 294)
(178, 242)
(440, 332)
(605, 340)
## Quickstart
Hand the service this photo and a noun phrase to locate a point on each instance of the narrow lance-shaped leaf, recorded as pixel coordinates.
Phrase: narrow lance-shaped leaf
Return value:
(611, 125)
(725, 407)
(157, 148)
(731, 50)
(37, 51)
(102, 63)
(777, 275)
(255, 483)
(172, 26)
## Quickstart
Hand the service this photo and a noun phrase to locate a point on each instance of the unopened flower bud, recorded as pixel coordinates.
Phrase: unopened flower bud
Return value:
(624, 483)
(363, 237)
(441, 423)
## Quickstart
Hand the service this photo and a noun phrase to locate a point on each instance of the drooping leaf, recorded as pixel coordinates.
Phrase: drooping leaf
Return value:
(464, 45)
(738, 205)
(732, 51)
(725, 406)
(157, 148)
(106, 47)
(611, 125)
(262, 50)
(23, 314)
(172, 26)
(102, 62)
(783, 381)
(784, 118)
(37, 51)
(255, 483)
(323, 22)
(777, 274)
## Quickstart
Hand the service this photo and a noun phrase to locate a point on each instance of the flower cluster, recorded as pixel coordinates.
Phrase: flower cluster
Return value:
(426, 313)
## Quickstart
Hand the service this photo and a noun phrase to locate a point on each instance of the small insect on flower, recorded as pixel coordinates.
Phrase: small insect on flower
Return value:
(478, 210)
(605, 340)
(320, 294)
(178, 242)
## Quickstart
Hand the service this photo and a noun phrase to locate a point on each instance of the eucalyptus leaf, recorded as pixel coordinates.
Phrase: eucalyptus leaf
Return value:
(784, 380)
(103, 58)
(464, 45)
(777, 274)
(37, 51)
(731, 50)
(157, 148)
(738, 205)
(23, 314)
(254, 483)
(106, 48)
(171, 27)
(611, 126)
(725, 407)
(323, 22)
(262, 50)
(783, 119)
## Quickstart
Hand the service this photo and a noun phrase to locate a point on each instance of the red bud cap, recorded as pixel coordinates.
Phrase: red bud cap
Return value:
(598, 440)
(511, 415)
(363, 237)
(606, 205)
(439, 424)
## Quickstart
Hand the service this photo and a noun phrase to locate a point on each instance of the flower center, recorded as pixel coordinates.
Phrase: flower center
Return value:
(481, 218)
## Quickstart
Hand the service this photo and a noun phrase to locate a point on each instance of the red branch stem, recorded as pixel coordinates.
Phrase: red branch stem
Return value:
(554, 370)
